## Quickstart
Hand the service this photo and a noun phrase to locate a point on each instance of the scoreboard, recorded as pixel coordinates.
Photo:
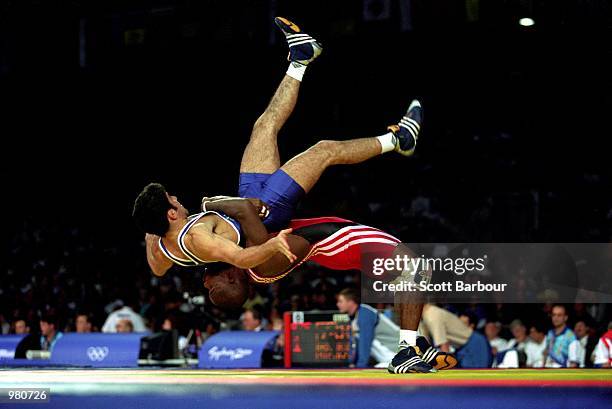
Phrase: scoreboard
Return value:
(317, 339)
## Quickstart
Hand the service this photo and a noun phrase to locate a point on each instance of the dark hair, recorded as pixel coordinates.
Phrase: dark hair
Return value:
(256, 312)
(50, 318)
(151, 208)
(350, 294)
(539, 327)
(472, 318)
(588, 321)
(85, 314)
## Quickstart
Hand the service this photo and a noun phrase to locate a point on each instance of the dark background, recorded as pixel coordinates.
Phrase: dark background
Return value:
(102, 97)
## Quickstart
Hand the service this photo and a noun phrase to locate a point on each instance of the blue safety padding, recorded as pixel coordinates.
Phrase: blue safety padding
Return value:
(97, 350)
(236, 349)
(8, 345)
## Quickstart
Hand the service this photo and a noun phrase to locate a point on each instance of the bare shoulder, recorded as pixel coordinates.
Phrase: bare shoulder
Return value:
(199, 231)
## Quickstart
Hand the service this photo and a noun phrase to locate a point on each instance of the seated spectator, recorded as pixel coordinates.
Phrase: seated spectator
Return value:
(468, 319)
(20, 327)
(536, 353)
(577, 354)
(252, 320)
(255, 299)
(127, 313)
(5, 326)
(124, 326)
(169, 324)
(498, 344)
(48, 332)
(559, 338)
(82, 323)
(447, 331)
(527, 351)
(373, 334)
(276, 320)
(212, 327)
(519, 334)
(603, 351)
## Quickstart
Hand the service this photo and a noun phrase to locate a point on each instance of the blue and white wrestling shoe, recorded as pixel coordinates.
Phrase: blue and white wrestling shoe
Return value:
(303, 49)
(408, 361)
(407, 131)
(438, 359)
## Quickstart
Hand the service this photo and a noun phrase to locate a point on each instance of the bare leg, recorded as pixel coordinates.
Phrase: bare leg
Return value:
(409, 305)
(410, 315)
(261, 153)
(307, 167)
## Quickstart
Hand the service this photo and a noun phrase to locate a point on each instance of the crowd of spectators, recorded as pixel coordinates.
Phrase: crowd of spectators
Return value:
(50, 293)
(90, 280)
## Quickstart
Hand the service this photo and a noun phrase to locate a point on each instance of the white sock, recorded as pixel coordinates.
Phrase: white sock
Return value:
(296, 70)
(407, 337)
(387, 141)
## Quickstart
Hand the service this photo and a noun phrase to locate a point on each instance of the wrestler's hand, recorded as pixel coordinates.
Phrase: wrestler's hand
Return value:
(281, 244)
(263, 210)
(215, 199)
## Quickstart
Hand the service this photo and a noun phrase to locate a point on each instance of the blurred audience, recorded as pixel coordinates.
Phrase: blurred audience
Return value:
(125, 313)
(124, 325)
(82, 323)
(537, 333)
(492, 330)
(468, 319)
(373, 335)
(580, 350)
(48, 332)
(603, 351)
(46, 279)
(559, 339)
(252, 320)
(21, 327)
(450, 334)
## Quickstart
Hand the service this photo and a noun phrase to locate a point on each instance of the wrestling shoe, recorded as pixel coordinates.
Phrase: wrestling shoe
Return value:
(407, 131)
(303, 49)
(439, 360)
(408, 361)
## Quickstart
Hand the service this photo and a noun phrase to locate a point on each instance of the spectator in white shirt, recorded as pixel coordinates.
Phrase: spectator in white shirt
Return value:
(124, 326)
(515, 355)
(603, 350)
(252, 320)
(498, 344)
(124, 313)
(535, 354)
(578, 348)
(519, 332)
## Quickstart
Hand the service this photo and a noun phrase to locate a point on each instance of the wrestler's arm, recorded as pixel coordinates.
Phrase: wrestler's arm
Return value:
(157, 261)
(207, 245)
(245, 212)
(248, 215)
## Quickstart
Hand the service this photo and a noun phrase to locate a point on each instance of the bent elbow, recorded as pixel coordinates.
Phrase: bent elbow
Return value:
(244, 265)
(158, 272)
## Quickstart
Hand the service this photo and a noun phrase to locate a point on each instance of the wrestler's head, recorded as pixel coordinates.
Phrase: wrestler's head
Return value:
(228, 288)
(155, 210)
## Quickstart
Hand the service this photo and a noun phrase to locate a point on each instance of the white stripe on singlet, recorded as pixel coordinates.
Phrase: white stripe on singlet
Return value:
(334, 244)
(193, 259)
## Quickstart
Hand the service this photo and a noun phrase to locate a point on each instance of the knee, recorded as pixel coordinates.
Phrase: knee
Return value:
(263, 127)
(328, 150)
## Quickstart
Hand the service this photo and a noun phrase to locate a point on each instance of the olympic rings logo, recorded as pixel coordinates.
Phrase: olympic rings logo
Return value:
(97, 353)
